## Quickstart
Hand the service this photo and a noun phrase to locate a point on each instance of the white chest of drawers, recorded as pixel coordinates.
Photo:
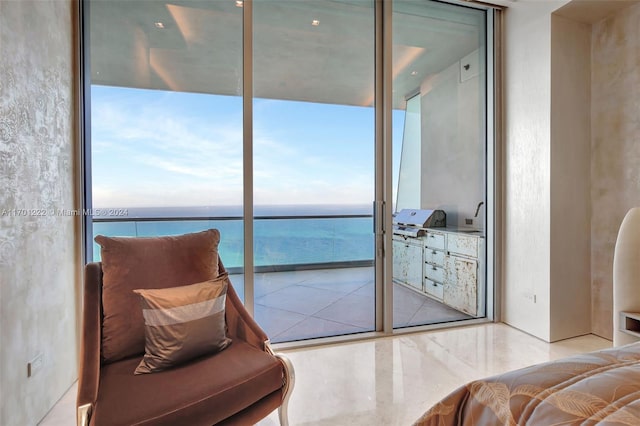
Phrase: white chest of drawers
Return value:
(434, 264)
(407, 261)
(445, 264)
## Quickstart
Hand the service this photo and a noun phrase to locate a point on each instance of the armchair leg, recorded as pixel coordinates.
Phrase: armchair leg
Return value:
(289, 382)
(283, 413)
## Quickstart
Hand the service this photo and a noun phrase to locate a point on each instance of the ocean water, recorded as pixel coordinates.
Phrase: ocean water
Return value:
(281, 236)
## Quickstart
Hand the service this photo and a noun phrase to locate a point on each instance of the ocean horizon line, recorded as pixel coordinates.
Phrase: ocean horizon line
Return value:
(344, 236)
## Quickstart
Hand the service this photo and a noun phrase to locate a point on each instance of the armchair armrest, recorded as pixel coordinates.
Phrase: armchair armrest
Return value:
(89, 374)
(241, 324)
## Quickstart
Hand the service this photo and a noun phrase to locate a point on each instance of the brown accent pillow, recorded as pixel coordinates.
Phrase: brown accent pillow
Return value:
(143, 263)
(183, 323)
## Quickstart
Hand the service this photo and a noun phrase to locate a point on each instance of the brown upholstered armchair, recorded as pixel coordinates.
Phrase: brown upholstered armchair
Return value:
(239, 386)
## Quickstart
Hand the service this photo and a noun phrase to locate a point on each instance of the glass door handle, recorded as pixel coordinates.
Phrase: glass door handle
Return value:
(378, 217)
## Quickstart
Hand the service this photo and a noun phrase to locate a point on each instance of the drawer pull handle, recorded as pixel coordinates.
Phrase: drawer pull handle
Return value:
(435, 269)
(434, 252)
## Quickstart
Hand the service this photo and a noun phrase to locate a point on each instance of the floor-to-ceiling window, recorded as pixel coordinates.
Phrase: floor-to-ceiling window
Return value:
(171, 137)
(313, 166)
(166, 127)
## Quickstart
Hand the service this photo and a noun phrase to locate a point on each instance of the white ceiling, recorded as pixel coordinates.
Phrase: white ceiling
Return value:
(200, 47)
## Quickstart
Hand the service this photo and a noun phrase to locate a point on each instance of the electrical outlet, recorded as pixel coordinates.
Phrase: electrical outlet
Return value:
(530, 297)
(468, 221)
(35, 365)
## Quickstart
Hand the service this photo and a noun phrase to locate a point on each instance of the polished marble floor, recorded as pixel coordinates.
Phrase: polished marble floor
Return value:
(393, 380)
(296, 305)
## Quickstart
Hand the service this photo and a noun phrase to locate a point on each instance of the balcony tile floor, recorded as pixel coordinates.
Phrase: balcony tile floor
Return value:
(296, 305)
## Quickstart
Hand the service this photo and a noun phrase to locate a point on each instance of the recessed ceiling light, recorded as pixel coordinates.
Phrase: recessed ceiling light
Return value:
(239, 3)
(159, 25)
(315, 22)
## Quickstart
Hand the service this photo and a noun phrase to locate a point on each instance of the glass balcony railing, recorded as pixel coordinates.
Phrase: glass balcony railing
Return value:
(280, 242)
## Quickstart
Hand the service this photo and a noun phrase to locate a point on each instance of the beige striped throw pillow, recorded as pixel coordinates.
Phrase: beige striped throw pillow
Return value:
(183, 323)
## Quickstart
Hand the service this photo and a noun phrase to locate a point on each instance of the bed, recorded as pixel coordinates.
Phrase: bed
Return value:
(595, 388)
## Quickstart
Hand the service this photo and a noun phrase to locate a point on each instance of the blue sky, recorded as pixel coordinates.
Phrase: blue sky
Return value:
(155, 148)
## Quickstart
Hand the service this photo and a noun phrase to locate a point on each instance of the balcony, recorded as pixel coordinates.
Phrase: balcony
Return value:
(314, 275)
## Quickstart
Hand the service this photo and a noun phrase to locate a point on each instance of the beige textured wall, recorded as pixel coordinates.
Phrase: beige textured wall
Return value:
(552, 246)
(37, 248)
(615, 165)
(570, 182)
(527, 168)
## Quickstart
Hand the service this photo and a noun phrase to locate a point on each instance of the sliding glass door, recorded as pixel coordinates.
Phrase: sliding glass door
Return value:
(439, 80)
(313, 167)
